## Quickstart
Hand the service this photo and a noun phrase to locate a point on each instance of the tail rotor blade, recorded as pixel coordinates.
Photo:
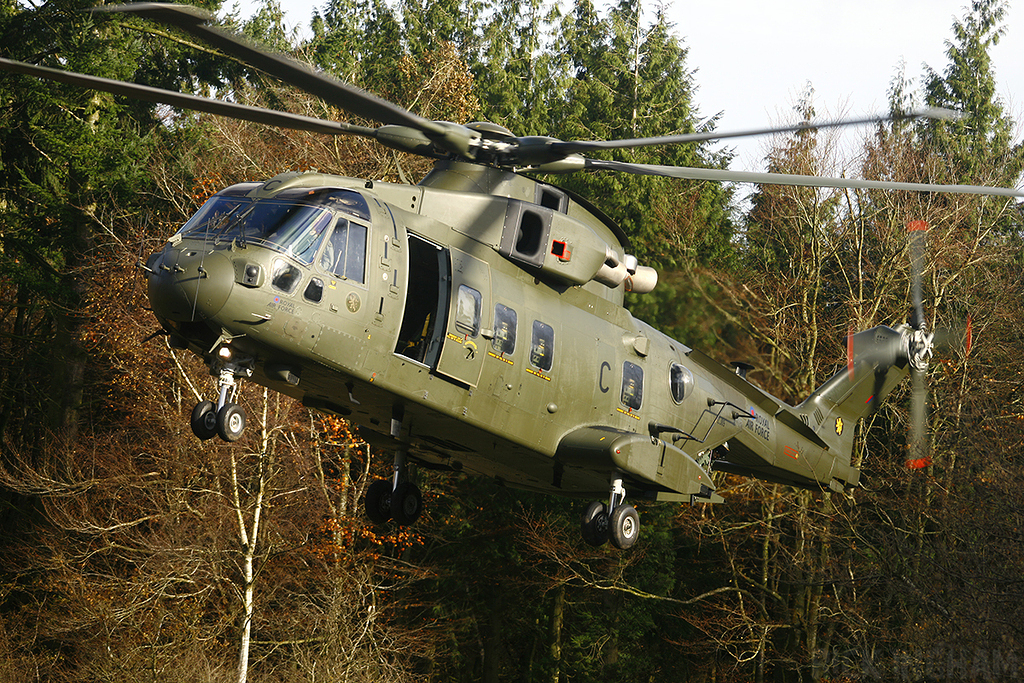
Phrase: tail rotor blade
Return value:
(918, 452)
(956, 339)
(918, 231)
(920, 350)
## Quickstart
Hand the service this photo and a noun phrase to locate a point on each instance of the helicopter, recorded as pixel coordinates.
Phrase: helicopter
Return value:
(475, 321)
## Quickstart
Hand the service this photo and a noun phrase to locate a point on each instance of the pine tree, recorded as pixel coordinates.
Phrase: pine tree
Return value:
(515, 73)
(979, 145)
(267, 27)
(337, 31)
(73, 165)
(383, 55)
(631, 80)
(429, 23)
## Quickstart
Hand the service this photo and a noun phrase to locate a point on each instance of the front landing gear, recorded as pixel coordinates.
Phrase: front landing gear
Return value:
(231, 422)
(225, 418)
(621, 526)
(204, 420)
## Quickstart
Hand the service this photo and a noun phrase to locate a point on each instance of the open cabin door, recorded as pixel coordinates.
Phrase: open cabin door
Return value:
(462, 350)
(426, 302)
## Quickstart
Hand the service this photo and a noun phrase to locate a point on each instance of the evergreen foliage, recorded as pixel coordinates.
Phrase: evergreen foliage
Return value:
(982, 139)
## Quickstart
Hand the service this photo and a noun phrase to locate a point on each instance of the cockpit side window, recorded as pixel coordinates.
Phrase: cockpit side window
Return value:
(345, 253)
(300, 231)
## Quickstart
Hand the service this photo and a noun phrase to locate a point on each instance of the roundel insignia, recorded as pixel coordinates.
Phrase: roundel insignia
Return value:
(839, 426)
(352, 302)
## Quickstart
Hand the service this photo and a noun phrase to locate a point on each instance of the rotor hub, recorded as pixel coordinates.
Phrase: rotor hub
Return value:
(921, 345)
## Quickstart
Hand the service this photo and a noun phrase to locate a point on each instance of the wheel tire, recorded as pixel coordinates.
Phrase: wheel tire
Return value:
(594, 524)
(377, 502)
(406, 503)
(231, 422)
(624, 527)
(204, 420)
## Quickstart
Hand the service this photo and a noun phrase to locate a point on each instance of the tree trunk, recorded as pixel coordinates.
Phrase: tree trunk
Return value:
(557, 615)
(249, 533)
(492, 638)
(248, 597)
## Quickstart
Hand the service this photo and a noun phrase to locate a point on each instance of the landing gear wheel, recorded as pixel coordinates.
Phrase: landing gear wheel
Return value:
(204, 420)
(231, 422)
(406, 503)
(624, 527)
(594, 524)
(378, 501)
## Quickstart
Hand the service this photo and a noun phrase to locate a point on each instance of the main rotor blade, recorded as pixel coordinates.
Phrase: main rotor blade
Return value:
(569, 147)
(193, 21)
(718, 175)
(269, 117)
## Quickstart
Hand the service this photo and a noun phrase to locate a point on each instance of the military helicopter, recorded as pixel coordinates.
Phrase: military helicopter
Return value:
(475, 321)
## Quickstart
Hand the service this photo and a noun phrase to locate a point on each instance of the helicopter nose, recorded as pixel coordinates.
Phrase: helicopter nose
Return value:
(188, 284)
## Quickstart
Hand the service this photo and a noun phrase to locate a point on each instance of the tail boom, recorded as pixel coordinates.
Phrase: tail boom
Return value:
(811, 445)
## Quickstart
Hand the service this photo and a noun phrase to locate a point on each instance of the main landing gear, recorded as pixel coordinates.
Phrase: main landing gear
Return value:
(225, 418)
(396, 498)
(615, 522)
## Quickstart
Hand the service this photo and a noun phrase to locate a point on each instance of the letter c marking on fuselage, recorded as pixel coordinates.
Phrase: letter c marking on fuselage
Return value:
(600, 377)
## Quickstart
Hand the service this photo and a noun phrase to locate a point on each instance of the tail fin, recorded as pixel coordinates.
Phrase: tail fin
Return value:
(878, 364)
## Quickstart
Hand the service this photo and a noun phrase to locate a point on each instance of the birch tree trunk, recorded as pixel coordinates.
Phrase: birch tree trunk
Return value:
(249, 518)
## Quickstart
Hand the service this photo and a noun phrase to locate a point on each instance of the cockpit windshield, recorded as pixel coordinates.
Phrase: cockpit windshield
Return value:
(292, 228)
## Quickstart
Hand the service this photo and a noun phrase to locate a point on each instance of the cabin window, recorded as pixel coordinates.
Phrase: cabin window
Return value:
(468, 307)
(632, 385)
(314, 290)
(345, 252)
(504, 342)
(542, 349)
(681, 381)
(284, 276)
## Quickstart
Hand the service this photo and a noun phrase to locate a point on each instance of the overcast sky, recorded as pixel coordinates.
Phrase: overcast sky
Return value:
(754, 57)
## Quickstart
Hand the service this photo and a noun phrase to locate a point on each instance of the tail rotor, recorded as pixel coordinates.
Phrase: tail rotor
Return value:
(910, 346)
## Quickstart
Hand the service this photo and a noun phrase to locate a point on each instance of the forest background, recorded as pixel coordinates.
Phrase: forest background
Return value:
(132, 551)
